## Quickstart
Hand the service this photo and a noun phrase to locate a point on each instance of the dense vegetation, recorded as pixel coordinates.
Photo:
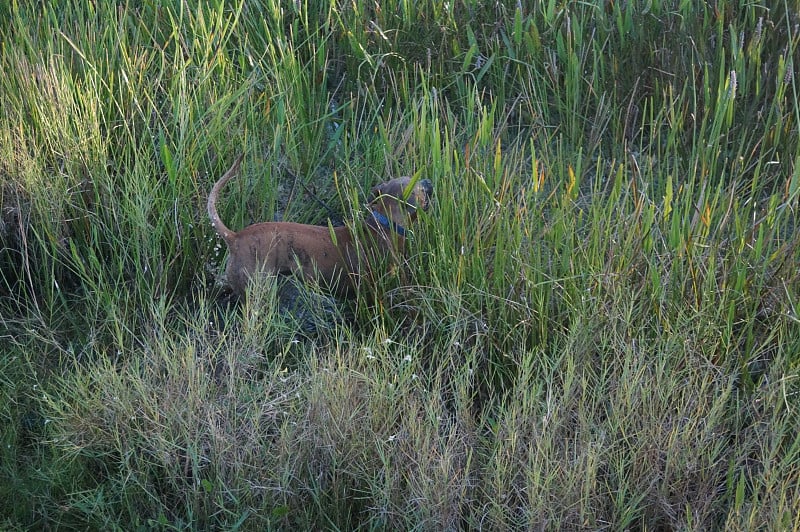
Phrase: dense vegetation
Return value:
(597, 326)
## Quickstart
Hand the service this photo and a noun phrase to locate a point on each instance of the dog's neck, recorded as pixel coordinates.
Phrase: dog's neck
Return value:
(380, 220)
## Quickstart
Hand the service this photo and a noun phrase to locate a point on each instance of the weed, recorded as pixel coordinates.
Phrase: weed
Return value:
(596, 326)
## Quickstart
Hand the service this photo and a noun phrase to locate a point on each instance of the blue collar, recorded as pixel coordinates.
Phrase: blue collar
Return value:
(387, 224)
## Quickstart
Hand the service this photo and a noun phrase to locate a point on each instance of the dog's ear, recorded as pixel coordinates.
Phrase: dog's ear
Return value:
(374, 193)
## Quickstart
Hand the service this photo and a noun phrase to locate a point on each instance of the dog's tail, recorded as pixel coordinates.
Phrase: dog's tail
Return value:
(226, 234)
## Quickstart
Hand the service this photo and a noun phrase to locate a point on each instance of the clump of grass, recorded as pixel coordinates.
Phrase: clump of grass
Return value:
(596, 326)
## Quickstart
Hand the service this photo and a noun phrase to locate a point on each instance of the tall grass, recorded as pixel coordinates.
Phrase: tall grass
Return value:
(596, 326)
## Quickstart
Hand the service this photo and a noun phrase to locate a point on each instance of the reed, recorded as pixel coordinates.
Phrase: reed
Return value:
(596, 328)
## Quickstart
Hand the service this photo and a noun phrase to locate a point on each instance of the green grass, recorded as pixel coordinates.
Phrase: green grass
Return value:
(597, 326)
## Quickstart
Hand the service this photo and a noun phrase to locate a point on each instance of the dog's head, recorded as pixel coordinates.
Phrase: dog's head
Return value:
(394, 203)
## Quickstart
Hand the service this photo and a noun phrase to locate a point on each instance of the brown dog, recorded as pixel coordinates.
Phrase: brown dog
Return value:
(331, 256)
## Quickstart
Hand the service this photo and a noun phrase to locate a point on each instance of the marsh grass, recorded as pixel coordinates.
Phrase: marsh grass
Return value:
(596, 327)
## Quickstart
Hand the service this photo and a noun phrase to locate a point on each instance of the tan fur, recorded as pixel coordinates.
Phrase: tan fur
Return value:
(330, 256)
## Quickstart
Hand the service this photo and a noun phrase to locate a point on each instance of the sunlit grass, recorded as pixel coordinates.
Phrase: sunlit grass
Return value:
(596, 326)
